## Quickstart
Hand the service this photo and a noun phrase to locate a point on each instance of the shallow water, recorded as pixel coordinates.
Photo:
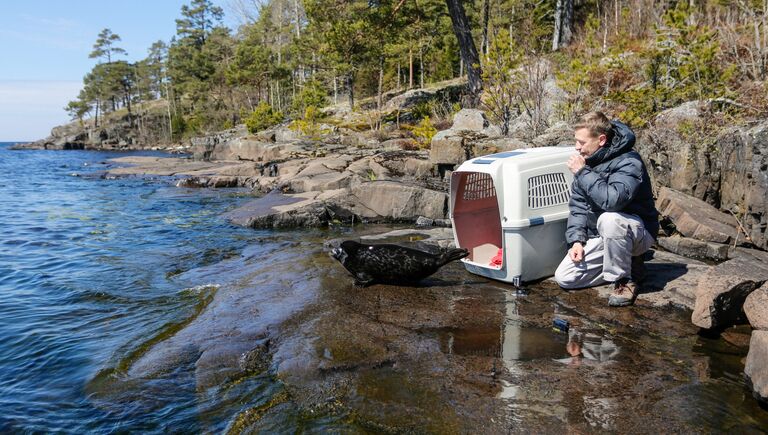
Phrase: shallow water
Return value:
(130, 305)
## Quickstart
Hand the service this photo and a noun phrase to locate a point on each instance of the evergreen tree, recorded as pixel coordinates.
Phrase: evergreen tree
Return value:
(104, 46)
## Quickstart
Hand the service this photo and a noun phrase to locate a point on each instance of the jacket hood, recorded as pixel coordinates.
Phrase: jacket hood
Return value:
(623, 141)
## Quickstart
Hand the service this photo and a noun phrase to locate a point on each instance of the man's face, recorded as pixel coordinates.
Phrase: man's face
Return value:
(586, 143)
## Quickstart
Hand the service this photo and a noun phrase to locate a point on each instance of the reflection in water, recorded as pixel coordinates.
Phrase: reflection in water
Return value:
(589, 347)
(521, 344)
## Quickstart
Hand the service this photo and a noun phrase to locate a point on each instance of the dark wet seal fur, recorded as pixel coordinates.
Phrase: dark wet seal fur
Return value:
(391, 264)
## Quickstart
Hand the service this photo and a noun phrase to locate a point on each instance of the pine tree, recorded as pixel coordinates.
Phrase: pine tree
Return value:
(104, 46)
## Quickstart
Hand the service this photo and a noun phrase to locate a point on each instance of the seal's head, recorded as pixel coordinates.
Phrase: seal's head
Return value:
(345, 250)
(339, 254)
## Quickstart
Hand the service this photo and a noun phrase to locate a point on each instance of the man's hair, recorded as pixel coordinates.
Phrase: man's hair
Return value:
(597, 123)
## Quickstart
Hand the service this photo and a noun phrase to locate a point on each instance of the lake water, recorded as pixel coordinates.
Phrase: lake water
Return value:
(86, 271)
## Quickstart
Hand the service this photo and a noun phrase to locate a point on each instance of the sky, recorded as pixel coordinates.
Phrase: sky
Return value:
(44, 48)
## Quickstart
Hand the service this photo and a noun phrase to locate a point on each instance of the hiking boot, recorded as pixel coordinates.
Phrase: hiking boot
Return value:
(624, 293)
(638, 269)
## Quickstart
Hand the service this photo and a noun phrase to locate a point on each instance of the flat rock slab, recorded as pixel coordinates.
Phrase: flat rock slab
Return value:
(695, 218)
(756, 366)
(171, 166)
(692, 248)
(756, 308)
(721, 292)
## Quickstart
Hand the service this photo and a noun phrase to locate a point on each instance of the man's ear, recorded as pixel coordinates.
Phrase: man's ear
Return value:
(603, 139)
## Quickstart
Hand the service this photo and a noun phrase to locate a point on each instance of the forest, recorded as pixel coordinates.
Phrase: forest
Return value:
(290, 58)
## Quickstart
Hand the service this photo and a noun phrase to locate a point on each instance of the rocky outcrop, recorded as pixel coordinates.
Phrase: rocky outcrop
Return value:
(721, 292)
(116, 133)
(728, 170)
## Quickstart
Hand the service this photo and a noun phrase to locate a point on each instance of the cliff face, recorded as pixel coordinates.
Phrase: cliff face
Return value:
(148, 131)
(728, 169)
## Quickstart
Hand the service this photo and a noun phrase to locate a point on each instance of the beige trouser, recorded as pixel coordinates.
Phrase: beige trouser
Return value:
(607, 258)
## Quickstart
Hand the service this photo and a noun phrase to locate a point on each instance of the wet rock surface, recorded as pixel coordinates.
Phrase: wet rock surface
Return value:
(288, 343)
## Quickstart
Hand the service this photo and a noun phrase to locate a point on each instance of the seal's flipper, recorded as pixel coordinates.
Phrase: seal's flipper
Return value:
(362, 279)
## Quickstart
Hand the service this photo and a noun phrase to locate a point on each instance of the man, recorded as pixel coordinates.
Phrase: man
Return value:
(613, 220)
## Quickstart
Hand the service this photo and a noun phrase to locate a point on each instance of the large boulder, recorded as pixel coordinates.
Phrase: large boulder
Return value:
(323, 174)
(470, 119)
(241, 148)
(756, 365)
(395, 201)
(446, 91)
(448, 148)
(695, 218)
(756, 308)
(721, 292)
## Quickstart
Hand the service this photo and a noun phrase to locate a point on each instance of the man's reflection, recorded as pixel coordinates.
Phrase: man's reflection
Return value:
(589, 348)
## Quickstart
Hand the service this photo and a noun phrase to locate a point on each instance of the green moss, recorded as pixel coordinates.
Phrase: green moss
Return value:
(250, 416)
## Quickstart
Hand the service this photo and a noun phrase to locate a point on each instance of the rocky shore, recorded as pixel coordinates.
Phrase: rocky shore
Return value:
(712, 194)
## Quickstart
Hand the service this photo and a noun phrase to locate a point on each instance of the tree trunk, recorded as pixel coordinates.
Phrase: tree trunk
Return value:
(381, 82)
(558, 25)
(398, 76)
(421, 67)
(351, 86)
(563, 31)
(297, 18)
(468, 51)
(410, 68)
(486, 13)
(566, 30)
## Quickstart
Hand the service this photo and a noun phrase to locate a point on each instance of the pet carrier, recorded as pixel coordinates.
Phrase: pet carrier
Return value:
(510, 211)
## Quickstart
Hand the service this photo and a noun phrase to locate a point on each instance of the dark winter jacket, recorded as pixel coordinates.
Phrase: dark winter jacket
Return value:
(614, 180)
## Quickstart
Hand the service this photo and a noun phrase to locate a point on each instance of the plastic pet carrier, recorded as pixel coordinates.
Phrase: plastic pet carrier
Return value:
(510, 211)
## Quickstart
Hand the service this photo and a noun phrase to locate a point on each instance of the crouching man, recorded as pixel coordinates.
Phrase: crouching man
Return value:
(613, 219)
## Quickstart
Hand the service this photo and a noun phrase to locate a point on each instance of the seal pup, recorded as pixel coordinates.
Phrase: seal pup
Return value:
(391, 264)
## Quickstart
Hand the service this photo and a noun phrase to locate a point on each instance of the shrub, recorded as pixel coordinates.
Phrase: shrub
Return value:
(264, 116)
(312, 95)
(423, 132)
(308, 126)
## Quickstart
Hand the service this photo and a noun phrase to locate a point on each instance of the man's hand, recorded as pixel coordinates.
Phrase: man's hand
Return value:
(575, 163)
(576, 253)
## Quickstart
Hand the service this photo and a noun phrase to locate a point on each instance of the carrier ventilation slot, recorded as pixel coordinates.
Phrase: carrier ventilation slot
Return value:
(479, 185)
(547, 190)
